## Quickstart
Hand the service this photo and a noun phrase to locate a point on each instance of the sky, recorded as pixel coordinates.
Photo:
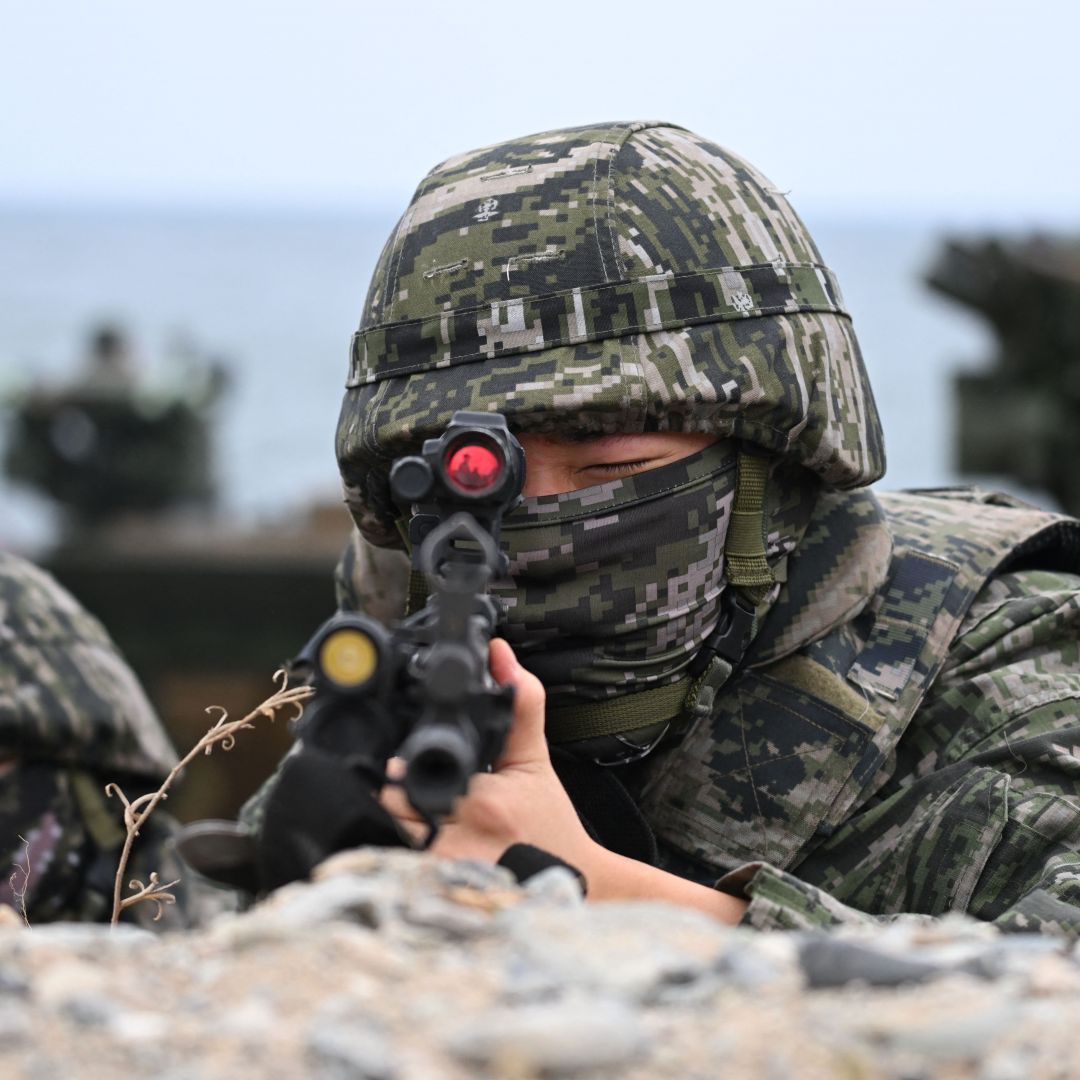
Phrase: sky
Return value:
(942, 108)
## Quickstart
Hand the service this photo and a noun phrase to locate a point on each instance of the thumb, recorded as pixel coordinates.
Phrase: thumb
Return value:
(525, 742)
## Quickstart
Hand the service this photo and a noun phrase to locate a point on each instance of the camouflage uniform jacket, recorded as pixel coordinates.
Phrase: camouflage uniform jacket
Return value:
(905, 735)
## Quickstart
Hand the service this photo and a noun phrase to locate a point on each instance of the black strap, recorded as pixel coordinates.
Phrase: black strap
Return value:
(525, 861)
(605, 807)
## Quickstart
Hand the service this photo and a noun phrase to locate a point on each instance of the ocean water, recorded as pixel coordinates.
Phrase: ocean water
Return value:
(278, 297)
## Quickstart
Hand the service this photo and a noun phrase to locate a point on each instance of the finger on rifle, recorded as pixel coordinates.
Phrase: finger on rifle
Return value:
(393, 801)
(526, 739)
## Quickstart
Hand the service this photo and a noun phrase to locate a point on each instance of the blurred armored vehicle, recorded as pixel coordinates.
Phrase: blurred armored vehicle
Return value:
(203, 607)
(1021, 417)
(102, 446)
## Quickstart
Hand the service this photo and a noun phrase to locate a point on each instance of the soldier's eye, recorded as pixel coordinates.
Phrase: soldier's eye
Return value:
(618, 467)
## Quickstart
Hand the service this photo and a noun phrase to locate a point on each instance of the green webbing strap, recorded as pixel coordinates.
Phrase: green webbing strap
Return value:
(402, 527)
(747, 570)
(615, 715)
(744, 552)
(418, 586)
(418, 592)
(103, 821)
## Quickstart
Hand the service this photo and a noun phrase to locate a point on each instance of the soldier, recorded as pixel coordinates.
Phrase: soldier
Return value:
(72, 719)
(823, 705)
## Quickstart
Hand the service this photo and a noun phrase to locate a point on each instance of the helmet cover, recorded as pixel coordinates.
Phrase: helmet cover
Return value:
(619, 277)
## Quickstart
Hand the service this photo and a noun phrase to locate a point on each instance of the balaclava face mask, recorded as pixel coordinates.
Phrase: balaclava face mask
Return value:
(616, 586)
(614, 589)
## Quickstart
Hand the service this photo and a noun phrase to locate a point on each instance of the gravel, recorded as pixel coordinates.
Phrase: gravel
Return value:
(398, 966)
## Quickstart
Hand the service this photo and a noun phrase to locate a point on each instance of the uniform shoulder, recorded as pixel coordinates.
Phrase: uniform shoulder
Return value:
(372, 579)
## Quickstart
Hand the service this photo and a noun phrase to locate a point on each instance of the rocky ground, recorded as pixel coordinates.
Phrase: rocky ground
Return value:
(393, 965)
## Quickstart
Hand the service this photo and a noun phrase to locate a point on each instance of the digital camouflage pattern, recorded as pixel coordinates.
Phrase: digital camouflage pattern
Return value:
(61, 848)
(372, 579)
(65, 692)
(72, 719)
(903, 738)
(613, 588)
(619, 277)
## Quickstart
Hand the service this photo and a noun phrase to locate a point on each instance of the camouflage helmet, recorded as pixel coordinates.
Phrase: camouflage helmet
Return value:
(617, 277)
(66, 694)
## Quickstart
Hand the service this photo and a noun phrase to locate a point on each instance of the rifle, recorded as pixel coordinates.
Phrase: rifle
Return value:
(419, 690)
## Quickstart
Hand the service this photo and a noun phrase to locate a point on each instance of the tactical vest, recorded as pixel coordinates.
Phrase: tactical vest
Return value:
(804, 733)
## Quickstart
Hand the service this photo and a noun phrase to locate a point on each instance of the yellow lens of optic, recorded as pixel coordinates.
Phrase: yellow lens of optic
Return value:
(348, 658)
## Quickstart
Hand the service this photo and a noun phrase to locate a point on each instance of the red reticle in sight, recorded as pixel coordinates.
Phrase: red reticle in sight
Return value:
(473, 468)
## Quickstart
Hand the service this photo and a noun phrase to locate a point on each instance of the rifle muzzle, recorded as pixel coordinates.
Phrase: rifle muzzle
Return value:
(439, 759)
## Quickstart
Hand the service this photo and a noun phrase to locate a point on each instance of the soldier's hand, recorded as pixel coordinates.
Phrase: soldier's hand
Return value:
(521, 801)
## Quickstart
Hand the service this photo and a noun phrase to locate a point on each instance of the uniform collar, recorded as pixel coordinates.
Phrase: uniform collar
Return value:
(839, 566)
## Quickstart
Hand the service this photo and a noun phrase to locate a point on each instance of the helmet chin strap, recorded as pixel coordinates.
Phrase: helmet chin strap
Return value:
(419, 591)
(745, 564)
(626, 728)
(635, 723)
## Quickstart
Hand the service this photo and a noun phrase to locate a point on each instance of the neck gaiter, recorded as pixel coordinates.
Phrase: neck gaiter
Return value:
(615, 587)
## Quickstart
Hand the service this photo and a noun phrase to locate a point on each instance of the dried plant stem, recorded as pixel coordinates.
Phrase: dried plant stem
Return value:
(18, 891)
(222, 734)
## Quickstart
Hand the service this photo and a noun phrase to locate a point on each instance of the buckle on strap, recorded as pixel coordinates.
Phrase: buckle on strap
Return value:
(732, 636)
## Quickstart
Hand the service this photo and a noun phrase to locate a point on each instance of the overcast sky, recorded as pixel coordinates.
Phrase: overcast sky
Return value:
(939, 107)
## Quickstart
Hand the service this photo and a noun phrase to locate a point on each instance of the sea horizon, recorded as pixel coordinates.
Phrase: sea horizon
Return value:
(277, 293)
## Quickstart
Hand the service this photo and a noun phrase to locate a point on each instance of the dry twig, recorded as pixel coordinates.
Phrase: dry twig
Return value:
(18, 891)
(222, 734)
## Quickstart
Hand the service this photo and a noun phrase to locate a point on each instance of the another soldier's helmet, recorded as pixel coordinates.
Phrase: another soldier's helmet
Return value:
(72, 717)
(618, 277)
(66, 694)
